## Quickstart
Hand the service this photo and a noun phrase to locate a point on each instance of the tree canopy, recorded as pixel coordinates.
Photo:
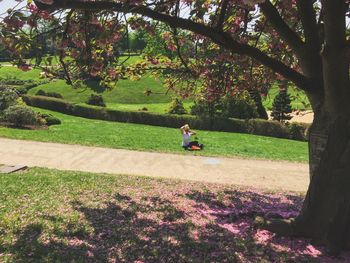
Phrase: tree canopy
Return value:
(229, 45)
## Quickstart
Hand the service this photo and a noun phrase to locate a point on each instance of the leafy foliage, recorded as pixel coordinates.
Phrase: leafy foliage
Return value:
(20, 116)
(8, 97)
(240, 106)
(176, 107)
(50, 119)
(21, 86)
(203, 108)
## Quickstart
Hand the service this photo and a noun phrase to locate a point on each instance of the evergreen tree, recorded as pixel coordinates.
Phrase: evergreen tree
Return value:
(281, 106)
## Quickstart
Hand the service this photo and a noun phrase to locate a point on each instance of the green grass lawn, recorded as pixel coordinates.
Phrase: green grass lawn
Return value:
(13, 72)
(55, 216)
(75, 130)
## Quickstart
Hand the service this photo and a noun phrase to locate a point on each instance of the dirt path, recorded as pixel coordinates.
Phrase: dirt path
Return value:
(256, 173)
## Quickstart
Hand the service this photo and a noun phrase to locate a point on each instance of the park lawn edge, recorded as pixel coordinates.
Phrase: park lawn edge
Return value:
(242, 146)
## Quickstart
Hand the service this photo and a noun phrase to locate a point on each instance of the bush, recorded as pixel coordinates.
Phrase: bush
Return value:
(8, 97)
(41, 92)
(267, 128)
(240, 106)
(49, 103)
(176, 107)
(253, 126)
(204, 108)
(50, 119)
(20, 116)
(22, 86)
(298, 131)
(96, 100)
(21, 90)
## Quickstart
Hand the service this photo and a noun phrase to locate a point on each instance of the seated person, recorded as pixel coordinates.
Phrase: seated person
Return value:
(186, 138)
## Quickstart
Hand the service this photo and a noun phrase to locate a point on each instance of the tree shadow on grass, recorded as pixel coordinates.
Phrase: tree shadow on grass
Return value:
(155, 229)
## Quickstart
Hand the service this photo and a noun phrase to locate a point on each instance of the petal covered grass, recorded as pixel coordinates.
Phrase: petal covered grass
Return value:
(54, 216)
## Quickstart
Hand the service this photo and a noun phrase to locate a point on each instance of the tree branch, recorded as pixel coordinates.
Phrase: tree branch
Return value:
(308, 19)
(335, 23)
(286, 33)
(222, 38)
(222, 14)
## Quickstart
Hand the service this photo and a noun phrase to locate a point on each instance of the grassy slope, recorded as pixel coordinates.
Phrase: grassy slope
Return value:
(128, 94)
(55, 216)
(76, 130)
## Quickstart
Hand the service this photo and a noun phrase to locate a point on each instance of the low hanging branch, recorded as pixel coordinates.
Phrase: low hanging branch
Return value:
(218, 36)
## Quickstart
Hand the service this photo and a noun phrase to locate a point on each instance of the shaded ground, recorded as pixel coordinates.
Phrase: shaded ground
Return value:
(54, 216)
(256, 173)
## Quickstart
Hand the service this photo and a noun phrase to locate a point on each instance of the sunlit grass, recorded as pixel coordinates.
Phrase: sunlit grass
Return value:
(75, 130)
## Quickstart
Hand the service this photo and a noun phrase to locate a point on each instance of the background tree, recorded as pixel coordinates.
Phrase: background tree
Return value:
(281, 106)
(305, 42)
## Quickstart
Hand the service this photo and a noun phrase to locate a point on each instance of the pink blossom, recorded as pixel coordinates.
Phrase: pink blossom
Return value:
(262, 236)
(312, 251)
(112, 73)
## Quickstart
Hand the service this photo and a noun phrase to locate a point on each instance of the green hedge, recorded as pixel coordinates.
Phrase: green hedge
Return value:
(253, 126)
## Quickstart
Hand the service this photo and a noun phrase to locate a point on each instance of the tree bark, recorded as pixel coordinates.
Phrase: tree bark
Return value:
(325, 216)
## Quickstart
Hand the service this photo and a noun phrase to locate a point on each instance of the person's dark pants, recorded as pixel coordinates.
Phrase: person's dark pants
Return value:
(193, 143)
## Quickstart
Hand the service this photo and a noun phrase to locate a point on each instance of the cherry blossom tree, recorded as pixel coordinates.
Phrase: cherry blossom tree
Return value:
(303, 41)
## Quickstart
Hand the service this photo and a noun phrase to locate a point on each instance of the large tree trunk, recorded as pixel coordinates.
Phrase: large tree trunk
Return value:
(325, 216)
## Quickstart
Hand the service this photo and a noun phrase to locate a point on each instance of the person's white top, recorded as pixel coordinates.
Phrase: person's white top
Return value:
(186, 139)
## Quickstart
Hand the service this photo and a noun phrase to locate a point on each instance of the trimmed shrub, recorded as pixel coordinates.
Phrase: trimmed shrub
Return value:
(49, 103)
(41, 92)
(176, 107)
(267, 128)
(20, 116)
(298, 131)
(8, 97)
(96, 100)
(50, 119)
(54, 95)
(240, 106)
(253, 126)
